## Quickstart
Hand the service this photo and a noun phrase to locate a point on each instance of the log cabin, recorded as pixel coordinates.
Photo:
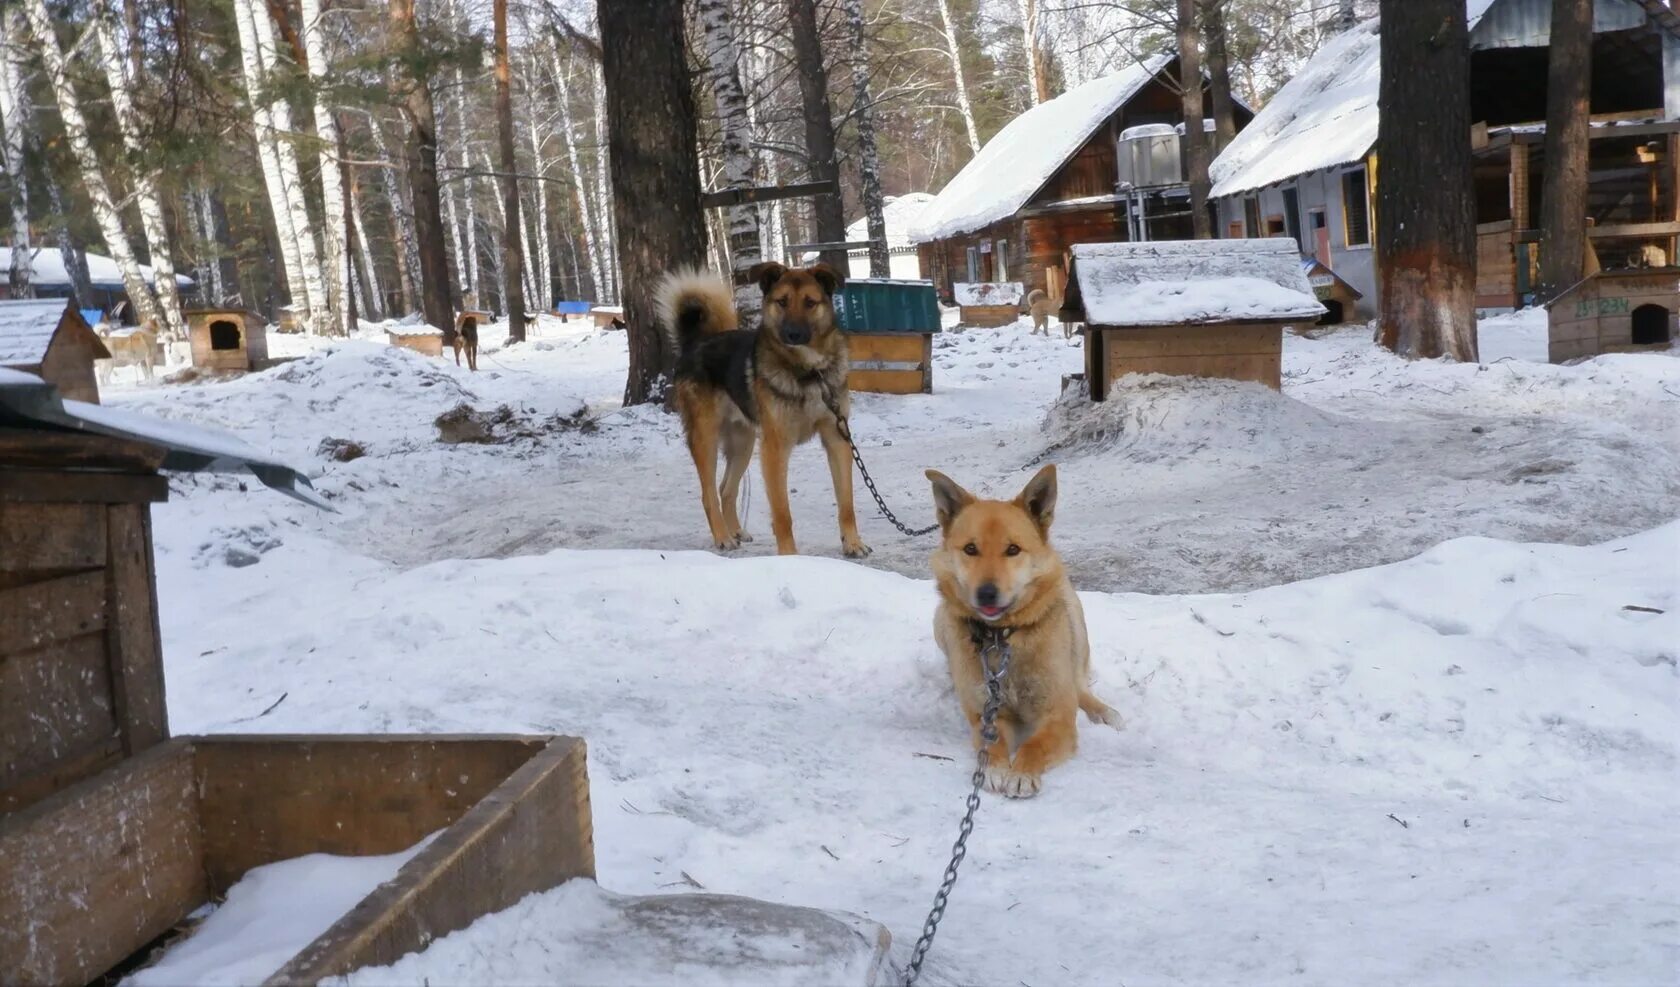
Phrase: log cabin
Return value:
(1098, 164)
(1307, 166)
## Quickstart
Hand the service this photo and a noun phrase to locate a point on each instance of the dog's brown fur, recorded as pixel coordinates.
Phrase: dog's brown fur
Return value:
(733, 386)
(465, 341)
(129, 348)
(1048, 680)
(1040, 307)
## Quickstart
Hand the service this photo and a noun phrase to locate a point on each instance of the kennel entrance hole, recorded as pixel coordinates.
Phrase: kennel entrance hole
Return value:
(224, 335)
(1650, 325)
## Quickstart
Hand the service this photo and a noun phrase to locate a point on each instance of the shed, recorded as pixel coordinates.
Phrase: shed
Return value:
(50, 339)
(1340, 299)
(988, 303)
(889, 327)
(1201, 308)
(227, 339)
(420, 337)
(1614, 312)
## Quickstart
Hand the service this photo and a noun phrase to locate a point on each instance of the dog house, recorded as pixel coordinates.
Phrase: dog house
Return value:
(227, 339)
(112, 832)
(49, 338)
(889, 328)
(1339, 298)
(608, 316)
(1200, 308)
(1621, 311)
(421, 338)
(986, 304)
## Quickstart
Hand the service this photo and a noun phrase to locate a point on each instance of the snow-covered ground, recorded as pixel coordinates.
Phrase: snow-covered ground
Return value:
(1455, 767)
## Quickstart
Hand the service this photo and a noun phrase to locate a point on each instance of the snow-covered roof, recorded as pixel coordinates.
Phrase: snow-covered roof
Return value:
(900, 213)
(987, 292)
(46, 267)
(1324, 117)
(26, 327)
(1177, 282)
(1017, 162)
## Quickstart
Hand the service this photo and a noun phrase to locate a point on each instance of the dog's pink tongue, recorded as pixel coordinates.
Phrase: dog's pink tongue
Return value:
(991, 611)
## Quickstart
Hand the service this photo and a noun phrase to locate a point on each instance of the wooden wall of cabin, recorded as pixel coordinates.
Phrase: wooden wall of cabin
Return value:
(1049, 237)
(945, 262)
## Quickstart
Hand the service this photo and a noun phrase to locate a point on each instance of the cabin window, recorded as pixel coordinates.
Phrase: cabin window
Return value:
(1000, 261)
(1274, 226)
(1650, 325)
(973, 264)
(1234, 229)
(1356, 208)
(224, 335)
(1251, 215)
(1292, 217)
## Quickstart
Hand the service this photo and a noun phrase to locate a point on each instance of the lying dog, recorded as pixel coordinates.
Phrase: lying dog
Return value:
(1040, 307)
(466, 339)
(733, 385)
(997, 573)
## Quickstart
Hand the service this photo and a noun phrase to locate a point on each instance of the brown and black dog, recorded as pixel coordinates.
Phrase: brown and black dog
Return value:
(733, 385)
(997, 573)
(466, 339)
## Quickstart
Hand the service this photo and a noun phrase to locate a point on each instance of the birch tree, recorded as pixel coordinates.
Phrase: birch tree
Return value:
(964, 107)
(1038, 72)
(466, 233)
(723, 67)
(209, 253)
(869, 165)
(373, 299)
(268, 158)
(14, 119)
(407, 246)
(332, 188)
(513, 261)
(543, 279)
(607, 228)
(87, 161)
(593, 245)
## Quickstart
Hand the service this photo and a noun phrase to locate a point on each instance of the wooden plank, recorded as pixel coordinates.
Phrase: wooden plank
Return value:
(132, 636)
(1201, 340)
(766, 193)
(55, 702)
(886, 381)
(863, 347)
(531, 833)
(58, 775)
(46, 486)
(273, 798)
(1260, 368)
(79, 450)
(988, 316)
(35, 615)
(93, 873)
(51, 537)
(1631, 230)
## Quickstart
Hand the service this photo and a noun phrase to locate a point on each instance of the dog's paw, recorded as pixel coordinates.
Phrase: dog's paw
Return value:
(855, 548)
(728, 544)
(1107, 716)
(1009, 783)
(741, 537)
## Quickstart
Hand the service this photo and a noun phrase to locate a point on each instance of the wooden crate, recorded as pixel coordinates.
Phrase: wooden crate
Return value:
(891, 362)
(136, 849)
(988, 316)
(425, 343)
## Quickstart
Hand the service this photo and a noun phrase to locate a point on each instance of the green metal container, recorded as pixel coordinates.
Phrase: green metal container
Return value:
(880, 305)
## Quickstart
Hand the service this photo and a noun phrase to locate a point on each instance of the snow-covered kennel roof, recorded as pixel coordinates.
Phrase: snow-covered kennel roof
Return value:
(26, 330)
(1182, 282)
(1022, 156)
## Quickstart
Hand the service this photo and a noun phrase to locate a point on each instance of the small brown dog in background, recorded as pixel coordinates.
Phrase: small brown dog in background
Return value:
(1040, 307)
(997, 573)
(466, 340)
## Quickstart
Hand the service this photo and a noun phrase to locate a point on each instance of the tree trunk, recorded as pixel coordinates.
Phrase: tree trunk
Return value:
(1038, 69)
(964, 107)
(87, 161)
(1219, 74)
(723, 61)
(828, 210)
(333, 206)
(1426, 232)
(580, 186)
(1195, 138)
(757, 68)
(869, 165)
(405, 245)
(262, 127)
(372, 298)
(469, 185)
(1563, 192)
(655, 171)
(603, 193)
(14, 118)
(75, 259)
(513, 262)
(437, 298)
(543, 280)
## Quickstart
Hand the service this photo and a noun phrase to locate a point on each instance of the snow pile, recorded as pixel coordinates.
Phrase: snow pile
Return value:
(1017, 162)
(988, 292)
(1192, 281)
(1325, 116)
(270, 914)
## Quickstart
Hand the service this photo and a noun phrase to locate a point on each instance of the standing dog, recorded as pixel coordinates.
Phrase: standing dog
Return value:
(732, 385)
(997, 573)
(1040, 306)
(466, 340)
(129, 348)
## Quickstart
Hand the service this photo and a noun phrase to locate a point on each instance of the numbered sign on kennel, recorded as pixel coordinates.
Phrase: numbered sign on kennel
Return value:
(889, 328)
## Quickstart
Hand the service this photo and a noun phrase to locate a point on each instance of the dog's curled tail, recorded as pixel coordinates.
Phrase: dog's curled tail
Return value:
(1036, 295)
(692, 303)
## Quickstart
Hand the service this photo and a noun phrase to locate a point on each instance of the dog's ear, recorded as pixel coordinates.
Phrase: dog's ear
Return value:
(948, 498)
(766, 275)
(1038, 498)
(828, 277)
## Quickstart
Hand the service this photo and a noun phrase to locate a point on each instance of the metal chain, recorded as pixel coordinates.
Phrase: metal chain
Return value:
(997, 645)
(857, 457)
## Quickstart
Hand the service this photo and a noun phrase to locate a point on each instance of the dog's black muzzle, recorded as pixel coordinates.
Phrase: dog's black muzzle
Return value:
(795, 335)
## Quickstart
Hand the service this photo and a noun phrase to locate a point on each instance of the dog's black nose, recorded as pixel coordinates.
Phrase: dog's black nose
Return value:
(986, 595)
(796, 335)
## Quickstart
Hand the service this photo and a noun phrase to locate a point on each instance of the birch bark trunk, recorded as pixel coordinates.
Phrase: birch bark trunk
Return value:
(262, 124)
(14, 118)
(870, 164)
(332, 187)
(964, 107)
(591, 238)
(723, 63)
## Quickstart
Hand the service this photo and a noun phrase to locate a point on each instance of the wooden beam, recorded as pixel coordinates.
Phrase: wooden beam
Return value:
(766, 193)
(1617, 230)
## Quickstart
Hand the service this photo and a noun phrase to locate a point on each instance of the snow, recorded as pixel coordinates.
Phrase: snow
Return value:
(26, 329)
(899, 212)
(1370, 635)
(270, 915)
(1180, 282)
(988, 293)
(1325, 116)
(1022, 156)
(47, 269)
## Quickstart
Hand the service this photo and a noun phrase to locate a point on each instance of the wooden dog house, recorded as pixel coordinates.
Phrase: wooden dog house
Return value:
(1201, 308)
(227, 339)
(1339, 298)
(608, 316)
(987, 304)
(1622, 311)
(112, 833)
(889, 328)
(49, 338)
(423, 339)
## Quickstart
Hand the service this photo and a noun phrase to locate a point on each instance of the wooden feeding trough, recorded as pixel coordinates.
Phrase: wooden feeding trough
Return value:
(889, 328)
(111, 833)
(227, 339)
(1340, 299)
(986, 304)
(49, 338)
(608, 316)
(1622, 311)
(1201, 308)
(424, 339)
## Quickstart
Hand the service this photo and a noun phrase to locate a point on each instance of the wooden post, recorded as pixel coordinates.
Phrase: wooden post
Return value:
(1520, 219)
